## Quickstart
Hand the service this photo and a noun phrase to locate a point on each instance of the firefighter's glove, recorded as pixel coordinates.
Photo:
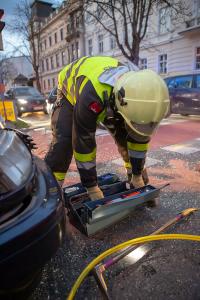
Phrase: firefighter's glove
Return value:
(137, 181)
(95, 193)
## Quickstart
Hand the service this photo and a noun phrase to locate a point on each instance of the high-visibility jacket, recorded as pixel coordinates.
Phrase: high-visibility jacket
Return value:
(89, 67)
(80, 85)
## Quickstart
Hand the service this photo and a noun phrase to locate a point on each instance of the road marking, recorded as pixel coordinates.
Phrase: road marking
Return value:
(149, 162)
(72, 174)
(171, 121)
(101, 132)
(118, 161)
(152, 162)
(181, 149)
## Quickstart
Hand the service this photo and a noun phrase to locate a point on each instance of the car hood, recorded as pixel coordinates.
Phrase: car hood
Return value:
(25, 97)
(15, 162)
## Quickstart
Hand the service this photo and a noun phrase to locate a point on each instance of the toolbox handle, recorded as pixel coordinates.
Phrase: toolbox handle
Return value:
(163, 186)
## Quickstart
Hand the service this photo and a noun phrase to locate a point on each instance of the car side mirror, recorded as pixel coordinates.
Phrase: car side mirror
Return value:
(8, 95)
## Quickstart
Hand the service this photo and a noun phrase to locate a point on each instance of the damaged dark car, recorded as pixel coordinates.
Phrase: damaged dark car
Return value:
(32, 215)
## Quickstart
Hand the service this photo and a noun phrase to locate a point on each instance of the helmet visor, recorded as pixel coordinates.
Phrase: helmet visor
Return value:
(144, 129)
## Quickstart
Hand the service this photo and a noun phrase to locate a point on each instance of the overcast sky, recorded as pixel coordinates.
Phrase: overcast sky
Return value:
(9, 6)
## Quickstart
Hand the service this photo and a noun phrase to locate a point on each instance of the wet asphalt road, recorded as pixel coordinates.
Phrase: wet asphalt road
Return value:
(171, 270)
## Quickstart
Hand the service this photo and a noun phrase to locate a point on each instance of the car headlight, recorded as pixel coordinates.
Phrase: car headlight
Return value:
(15, 162)
(22, 101)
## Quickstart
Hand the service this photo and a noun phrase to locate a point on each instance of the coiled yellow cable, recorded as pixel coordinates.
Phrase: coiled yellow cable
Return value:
(140, 240)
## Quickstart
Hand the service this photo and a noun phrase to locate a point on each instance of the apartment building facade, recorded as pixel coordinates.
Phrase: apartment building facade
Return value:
(170, 46)
(61, 41)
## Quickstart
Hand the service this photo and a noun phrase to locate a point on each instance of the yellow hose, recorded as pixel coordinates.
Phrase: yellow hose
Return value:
(140, 240)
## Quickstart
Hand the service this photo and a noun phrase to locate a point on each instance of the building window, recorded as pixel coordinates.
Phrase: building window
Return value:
(198, 82)
(164, 20)
(68, 55)
(197, 60)
(162, 64)
(40, 47)
(63, 58)
(44, 84)
(143, 63)
(50, 41)
(49, 84)
(61, 34)
(47, 64)
(112, 42)
(198, 8)
(68, 28)
(77, 22)
(88, 18)
(42, 66)
(100, 41)
(45, 44)
(55, 37)
(57, 61)
(77, 50)
(73, 52)
(52, 62)
(90, 47)
(53, 82)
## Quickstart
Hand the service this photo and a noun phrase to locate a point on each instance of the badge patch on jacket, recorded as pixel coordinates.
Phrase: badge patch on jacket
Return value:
(95, 107)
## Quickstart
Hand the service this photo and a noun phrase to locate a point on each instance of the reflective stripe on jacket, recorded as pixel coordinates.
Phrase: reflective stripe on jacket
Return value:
(91, 68)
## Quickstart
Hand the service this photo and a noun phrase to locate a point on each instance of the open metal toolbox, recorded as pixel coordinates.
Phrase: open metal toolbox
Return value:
(118, 202)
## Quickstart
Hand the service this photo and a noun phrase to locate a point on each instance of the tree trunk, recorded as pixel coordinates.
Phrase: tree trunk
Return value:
(135, 53)
(37, 76)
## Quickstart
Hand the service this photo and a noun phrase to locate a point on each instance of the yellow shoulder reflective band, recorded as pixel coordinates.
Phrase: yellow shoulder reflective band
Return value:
(85, 157)
(137, 147)
(83, 84)
(59, 176)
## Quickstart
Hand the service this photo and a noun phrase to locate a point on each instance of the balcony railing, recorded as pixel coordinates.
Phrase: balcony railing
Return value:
(73, 33)
(193, 22)
(192, 27)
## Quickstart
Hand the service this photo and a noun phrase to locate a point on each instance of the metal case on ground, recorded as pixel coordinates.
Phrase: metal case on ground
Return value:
(119, 201)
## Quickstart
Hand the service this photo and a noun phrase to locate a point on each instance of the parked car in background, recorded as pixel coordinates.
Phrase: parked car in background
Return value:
(184, 91)
(32, 216)
(51, 100)
(27, 99)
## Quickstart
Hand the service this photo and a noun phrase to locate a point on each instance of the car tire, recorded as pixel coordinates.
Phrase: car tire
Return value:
(184, 115)
(24, 291)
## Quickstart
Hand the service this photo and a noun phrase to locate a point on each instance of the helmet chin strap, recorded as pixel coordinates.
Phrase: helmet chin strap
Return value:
(135, 136)
(110, 106)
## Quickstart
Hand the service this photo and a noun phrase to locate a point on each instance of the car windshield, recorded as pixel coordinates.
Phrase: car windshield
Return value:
(24, 91)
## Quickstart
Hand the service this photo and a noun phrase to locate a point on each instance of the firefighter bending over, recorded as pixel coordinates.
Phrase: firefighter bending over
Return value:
(130, 104)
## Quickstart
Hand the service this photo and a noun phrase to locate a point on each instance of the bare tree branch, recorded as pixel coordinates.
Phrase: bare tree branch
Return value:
(30, 31)
(134, 16)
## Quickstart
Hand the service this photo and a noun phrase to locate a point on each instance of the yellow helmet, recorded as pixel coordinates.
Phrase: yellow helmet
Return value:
(142, 99)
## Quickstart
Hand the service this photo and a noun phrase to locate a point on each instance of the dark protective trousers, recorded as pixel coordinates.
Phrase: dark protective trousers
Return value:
(60, 152)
